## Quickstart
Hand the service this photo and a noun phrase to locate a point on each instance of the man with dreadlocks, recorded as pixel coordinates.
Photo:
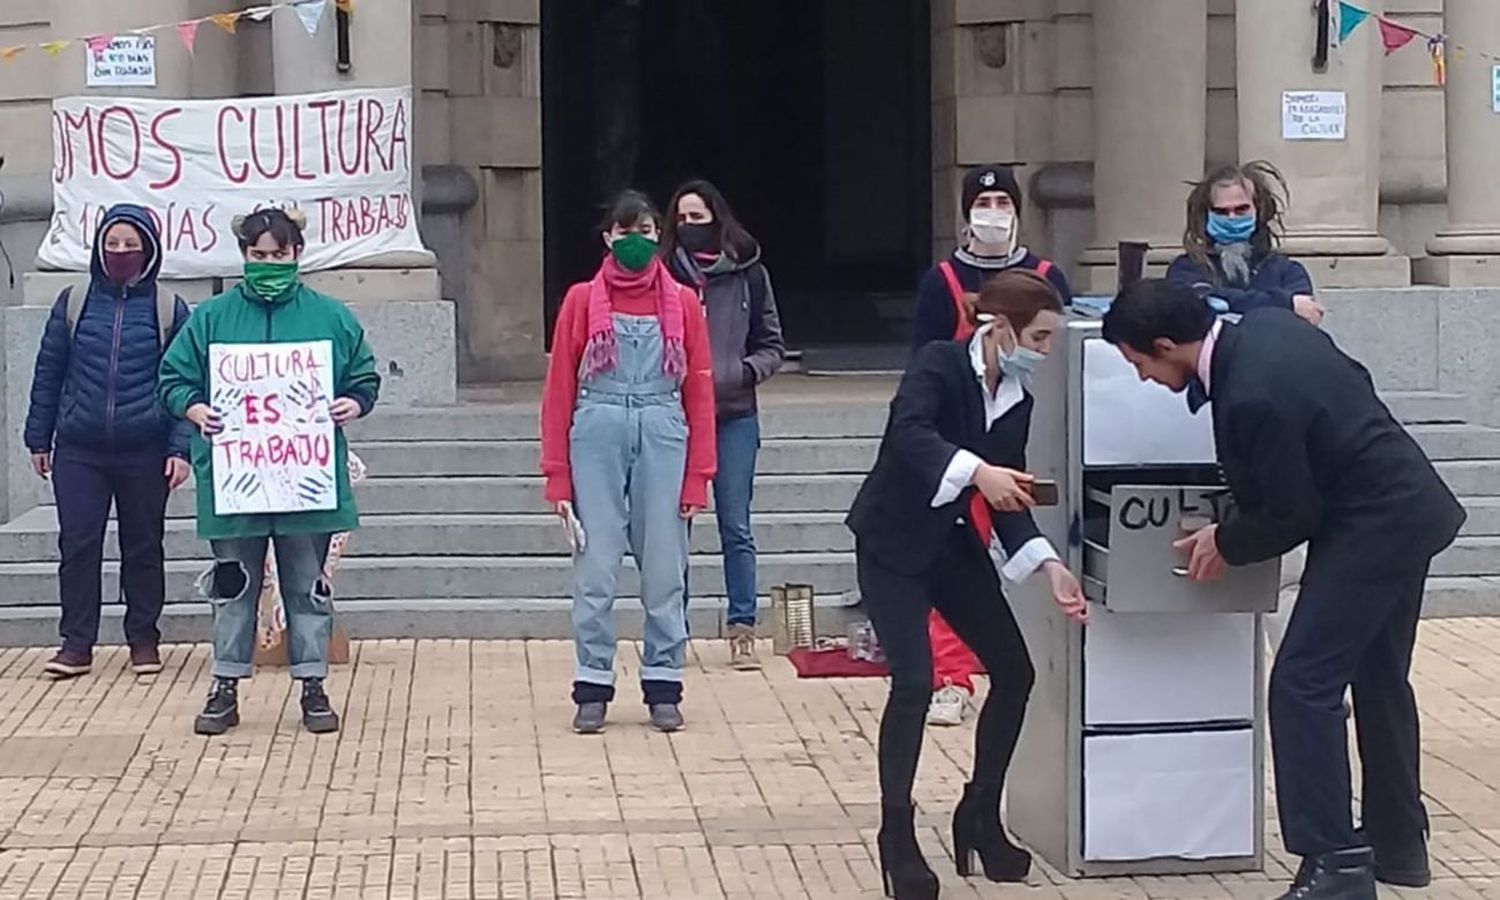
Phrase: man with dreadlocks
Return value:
(1233, 226)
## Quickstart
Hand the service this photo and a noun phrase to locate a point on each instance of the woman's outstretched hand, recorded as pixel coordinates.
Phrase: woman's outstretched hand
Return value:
(1066, 592)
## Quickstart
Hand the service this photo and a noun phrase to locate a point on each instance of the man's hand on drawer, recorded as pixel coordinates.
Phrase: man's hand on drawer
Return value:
(1205, 563)
(1066, 592)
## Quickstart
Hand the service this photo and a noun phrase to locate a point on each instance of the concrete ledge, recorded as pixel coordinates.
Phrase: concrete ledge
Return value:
(1358, 271)
(1457, 271)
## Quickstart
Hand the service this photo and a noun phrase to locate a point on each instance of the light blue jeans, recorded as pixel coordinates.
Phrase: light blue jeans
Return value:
(233, 588)
(628, 453)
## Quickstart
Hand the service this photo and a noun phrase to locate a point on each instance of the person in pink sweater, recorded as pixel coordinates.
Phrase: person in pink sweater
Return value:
(628, 452)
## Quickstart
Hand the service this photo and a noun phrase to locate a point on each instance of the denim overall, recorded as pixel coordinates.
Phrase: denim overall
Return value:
(628, 452)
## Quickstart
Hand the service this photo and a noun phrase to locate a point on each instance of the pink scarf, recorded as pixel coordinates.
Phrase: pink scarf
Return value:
(601, 353)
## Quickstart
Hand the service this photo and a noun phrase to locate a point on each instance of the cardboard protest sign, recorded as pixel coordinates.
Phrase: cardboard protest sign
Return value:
(275, 454)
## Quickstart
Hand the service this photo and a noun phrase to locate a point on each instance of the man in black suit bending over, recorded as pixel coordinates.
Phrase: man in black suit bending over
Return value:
(1312, 454)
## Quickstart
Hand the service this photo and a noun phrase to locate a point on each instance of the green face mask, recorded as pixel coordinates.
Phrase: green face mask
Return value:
(633, 251)
(270, 279)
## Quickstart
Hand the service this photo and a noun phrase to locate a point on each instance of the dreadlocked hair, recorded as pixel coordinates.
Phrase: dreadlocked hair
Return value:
(1268, 191)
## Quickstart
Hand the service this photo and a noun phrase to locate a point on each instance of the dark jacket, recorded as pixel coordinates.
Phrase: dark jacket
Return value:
(1274, 280)
(936, 317)
(938, 410)
(744, 328)
(96, 389)
(1312, 454)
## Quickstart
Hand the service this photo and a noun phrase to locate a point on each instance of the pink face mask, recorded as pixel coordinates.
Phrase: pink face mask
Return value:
(124, 267)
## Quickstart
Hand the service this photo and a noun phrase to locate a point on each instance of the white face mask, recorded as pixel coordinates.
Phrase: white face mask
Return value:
(995, 227)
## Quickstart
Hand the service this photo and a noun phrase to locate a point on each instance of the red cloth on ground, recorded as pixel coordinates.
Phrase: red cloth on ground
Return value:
(560, 392)
(833, 663)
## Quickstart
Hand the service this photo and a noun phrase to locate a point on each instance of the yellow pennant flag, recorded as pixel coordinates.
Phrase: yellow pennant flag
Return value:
(225, 21)
(9, 54)
(55, 47)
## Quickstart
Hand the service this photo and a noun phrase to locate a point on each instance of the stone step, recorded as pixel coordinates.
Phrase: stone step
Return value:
(549, 619)
(449, 578)
(786, 456)
(33, 537)
(1427, 407)
(1456, 441)
(505, 494)
(507, 422)
(1477, 555)
(1471, 477)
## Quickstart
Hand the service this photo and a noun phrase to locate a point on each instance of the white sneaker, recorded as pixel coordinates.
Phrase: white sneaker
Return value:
(947, 706)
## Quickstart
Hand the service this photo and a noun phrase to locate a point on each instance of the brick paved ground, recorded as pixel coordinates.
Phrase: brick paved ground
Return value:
(456, 776)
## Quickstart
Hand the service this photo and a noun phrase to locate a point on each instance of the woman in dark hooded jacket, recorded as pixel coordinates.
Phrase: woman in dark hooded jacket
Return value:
(707, 248)
(97, 430)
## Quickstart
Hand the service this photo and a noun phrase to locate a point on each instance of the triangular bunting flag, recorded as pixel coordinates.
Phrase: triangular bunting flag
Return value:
(1436, 49)
(187, 32)
(53, 48)
(258, 13)
(1394, 36)
(311, 14)
(98, 43)
(225, 21)
(345, 6)
(1350, 18)
(9, 54)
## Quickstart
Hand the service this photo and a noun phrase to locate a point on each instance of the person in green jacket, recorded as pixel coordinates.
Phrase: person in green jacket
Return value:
(271, 305)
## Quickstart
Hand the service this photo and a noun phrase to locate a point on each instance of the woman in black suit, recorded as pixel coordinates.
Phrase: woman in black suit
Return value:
(949, 479)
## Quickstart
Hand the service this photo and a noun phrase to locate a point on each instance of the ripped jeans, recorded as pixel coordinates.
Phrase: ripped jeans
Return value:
(233, 588)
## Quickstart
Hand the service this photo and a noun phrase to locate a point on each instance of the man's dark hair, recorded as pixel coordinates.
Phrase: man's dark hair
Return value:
(1155, 308)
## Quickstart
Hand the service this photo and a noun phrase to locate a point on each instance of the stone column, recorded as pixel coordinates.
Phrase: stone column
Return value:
(1335, 184)
(380, 40)
(1150, 111)
(1467, 252)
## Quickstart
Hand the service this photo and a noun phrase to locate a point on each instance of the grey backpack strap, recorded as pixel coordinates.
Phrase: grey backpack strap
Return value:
(76, 295)
(166, 316)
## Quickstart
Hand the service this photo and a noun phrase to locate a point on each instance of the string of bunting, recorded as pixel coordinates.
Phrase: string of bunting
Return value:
(309, 12)
(1395, 35)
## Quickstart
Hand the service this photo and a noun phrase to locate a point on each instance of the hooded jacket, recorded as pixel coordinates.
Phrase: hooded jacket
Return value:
(744, 328)
(239, 316)
(96, 388)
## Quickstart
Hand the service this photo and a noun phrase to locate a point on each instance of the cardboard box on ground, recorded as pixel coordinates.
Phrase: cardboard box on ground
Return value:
(270, 626)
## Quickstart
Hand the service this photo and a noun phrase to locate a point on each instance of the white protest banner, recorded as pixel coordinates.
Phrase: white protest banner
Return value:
(344, 158)
(129, 60)
(1313, 115)
(275, 454)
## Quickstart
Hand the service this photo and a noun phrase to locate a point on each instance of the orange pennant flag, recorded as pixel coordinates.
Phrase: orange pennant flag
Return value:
(225, 21)
(344, 6)
(53, 48)
(9, 54)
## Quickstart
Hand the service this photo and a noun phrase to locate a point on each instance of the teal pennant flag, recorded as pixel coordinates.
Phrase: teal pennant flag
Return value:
(1350, 18)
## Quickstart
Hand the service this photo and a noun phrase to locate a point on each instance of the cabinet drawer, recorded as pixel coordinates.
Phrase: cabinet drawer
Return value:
(1140, 571)
(1144, 669)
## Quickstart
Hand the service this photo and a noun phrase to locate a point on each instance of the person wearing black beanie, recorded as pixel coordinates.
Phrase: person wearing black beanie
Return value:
(992, 202)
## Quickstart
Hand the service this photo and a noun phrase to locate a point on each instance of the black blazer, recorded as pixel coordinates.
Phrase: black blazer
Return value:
(1312, 454)
(938, 409)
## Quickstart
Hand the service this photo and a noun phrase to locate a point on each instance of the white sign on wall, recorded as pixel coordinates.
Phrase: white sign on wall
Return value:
(128, 61)
(343, 158)
(1495, 88)
(276, 452)
(1313, 115)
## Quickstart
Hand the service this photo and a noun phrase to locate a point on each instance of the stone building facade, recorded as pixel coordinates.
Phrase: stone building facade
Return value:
(1110, 106)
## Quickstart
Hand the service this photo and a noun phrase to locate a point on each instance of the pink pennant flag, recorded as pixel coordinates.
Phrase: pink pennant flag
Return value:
(1394, 36)
(99, 43)
(188, 32)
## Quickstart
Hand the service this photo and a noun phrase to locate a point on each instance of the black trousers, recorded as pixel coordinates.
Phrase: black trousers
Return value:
(1349, 627)
(965, 588)
(85, 483)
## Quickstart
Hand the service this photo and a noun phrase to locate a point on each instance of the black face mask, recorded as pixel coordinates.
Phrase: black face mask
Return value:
(698, 237)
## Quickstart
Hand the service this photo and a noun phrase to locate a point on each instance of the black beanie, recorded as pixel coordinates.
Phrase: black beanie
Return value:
(991, 178)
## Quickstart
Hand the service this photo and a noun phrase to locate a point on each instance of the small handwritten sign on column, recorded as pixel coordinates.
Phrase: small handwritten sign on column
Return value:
(275, 454)
(1313, 115)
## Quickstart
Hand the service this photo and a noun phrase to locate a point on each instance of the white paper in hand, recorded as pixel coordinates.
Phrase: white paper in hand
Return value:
(577, 540)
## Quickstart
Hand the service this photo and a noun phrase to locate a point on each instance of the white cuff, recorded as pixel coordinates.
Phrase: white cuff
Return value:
(958, 476)
(1028, 559)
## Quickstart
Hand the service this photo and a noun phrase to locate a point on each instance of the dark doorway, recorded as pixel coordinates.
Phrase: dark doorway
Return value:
(813, 116)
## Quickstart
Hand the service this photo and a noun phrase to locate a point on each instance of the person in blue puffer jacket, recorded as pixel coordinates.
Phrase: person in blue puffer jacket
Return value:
(96, 428)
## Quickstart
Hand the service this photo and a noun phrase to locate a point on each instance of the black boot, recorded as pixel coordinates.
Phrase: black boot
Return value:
(222, 712)
(318, 716)
(977, 829)
(1342, 875)
(902, 867)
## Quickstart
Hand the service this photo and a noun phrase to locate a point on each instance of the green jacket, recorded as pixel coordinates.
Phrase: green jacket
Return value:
(239, 316)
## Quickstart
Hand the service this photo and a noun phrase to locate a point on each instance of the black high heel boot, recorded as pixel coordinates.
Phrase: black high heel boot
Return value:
(977, 829)
(902, 868)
